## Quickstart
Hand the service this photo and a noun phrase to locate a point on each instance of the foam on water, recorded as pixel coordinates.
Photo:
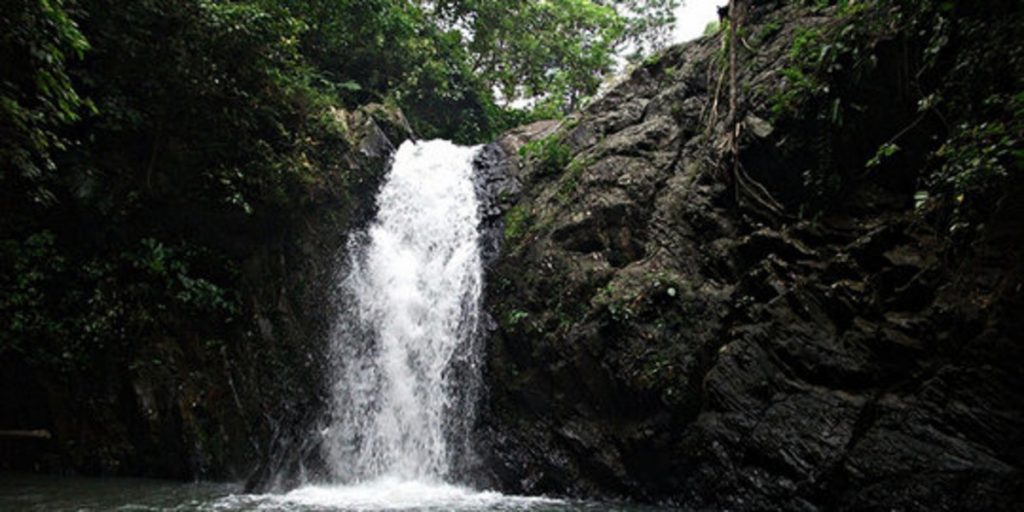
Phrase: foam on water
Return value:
(398, 494)
(391, 494)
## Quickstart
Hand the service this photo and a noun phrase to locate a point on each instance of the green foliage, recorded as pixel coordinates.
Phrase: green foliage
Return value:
(223, 112)
(201, 116)
(571, 179)
(968, 71)
(169, 268)
(24, 285)
(824, 65)
(712, 28)
(515, 317)
(623, 304)
(981, 157)
(843, 6)
(557, 52)
(550, 155)
(70, 312)
(980, 99)
(648, 24)
(770, 29)
(517, 223)
(38, 40)
(654, 296)
(821, 58)
(147, 146)
(392, 50)
(885, 151)
(816, 59)
(954, 73)
(152, 149)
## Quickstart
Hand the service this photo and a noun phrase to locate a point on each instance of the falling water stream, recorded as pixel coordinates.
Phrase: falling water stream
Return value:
(410, 307)
(405, 360)
(404, 343)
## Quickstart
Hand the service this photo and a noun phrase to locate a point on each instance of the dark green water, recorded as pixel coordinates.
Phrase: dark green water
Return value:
(31, 493)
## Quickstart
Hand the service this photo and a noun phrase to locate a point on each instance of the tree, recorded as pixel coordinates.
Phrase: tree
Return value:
(557, 51)
(649, 25)
(37, 98)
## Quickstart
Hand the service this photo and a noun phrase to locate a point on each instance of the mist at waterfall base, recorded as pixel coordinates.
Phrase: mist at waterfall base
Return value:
(42, 493)
(405, 354)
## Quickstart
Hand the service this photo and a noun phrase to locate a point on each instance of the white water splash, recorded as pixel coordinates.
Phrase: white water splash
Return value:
(411, 297)
(393, 494)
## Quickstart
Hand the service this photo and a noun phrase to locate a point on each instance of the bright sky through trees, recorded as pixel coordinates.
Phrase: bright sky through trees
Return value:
(693, 16)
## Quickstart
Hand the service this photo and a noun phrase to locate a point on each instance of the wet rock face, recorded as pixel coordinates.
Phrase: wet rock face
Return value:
(660, 336)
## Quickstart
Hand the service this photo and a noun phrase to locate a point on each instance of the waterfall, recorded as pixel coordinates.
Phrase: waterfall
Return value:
(404, 350)
(404, 343)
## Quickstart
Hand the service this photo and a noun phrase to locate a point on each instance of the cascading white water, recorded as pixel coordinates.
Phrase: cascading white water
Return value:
(404, 350)
(411, 307)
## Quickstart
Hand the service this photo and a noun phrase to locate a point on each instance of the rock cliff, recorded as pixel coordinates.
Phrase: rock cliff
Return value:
(671, 327)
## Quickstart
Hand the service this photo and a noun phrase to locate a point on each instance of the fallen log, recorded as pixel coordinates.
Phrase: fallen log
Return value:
(29, 434)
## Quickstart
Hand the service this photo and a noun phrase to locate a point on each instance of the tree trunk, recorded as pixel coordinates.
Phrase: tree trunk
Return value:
(735, 14)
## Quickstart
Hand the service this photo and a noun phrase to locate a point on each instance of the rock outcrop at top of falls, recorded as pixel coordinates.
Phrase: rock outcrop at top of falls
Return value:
(665, 330)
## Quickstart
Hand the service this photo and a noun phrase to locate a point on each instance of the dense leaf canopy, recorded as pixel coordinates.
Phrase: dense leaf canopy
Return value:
(135, 133)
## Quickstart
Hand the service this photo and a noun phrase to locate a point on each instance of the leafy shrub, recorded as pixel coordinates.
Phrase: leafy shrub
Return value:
(980, 158)
(549, 154)
(67, 313)
(517, 223)
(39, 41)
(570, 179)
